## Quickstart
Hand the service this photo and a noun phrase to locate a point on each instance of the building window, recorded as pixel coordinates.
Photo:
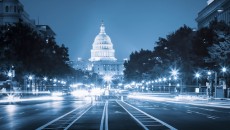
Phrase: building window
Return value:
(7, 9)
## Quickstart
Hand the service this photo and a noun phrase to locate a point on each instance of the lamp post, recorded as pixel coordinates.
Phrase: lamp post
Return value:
(44, 83)
(209, 86)
(30, 81)
(197, 75)
(11, 74)
(174, 74)
(224, 70)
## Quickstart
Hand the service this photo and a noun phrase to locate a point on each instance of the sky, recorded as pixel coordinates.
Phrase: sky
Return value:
(131, 24)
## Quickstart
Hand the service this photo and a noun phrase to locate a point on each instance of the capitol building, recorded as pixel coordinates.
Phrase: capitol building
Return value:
(102, 60)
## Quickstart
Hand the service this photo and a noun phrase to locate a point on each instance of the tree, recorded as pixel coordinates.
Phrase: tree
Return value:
(29, 53)
(138, 65)
(219, 52)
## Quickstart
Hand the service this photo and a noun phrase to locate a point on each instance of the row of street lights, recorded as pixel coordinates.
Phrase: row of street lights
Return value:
(209, 85)
(36, 84)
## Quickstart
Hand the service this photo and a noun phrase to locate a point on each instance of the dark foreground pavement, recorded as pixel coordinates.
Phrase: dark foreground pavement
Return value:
(71, 113)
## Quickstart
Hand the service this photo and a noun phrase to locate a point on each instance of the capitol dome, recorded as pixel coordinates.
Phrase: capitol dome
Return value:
(102, 47)
(102, 38)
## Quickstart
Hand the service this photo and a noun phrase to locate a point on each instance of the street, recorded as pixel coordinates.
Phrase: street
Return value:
(113, 114)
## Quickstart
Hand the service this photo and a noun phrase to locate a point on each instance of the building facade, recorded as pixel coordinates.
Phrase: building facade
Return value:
(102, 60)
(103, 56)
(12, 11)
(215, 10)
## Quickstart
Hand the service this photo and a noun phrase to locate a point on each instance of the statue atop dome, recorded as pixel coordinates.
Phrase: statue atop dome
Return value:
(102, 28)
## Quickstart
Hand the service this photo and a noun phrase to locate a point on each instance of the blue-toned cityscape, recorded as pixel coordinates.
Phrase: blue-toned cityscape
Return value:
(115, 64)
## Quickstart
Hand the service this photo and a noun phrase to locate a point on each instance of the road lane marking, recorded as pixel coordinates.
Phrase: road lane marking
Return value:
(21, 113)
(207, 115)
(144, 113)
(153, 125)
(59, 118)
(207, 109)
(66, 128)
(104, 117)
(134, 117)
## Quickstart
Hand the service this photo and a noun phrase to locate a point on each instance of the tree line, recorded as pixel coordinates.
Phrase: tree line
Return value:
(23, 49)
(185, 49)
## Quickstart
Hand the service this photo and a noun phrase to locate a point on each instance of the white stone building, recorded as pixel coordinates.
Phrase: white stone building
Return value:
(102, 60)
(103, 56)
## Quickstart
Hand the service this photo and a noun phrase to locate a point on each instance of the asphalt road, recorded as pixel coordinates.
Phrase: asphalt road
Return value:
(111, 114)
(185, 116)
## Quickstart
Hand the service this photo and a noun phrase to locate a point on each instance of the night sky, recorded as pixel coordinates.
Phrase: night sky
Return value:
(131, 24)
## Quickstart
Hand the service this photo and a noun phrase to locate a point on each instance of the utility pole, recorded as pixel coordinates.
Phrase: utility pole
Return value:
(215, 83)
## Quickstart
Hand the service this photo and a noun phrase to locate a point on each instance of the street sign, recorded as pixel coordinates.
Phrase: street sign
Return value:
(197, 90)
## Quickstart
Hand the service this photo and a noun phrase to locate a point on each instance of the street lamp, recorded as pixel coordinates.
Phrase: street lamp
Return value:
(45, 78)
(209, 73)
(197, 75)
(174, 72)
(30, 77)
(10, 75)
(30, 81)
(224, 69)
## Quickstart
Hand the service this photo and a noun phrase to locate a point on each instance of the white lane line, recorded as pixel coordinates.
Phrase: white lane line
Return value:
(167, 125)
(77, 118)
(150, 108)
(104, 117)
(150, 121)
(47, 124)
(207, 115)
(21, 113)
(211, 110)
(133, 117)
(154, 125)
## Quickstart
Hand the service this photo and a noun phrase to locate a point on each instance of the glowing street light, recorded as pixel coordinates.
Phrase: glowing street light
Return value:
(10, 74)
(209, 73)
(224, 69)
(55, 80)
(30, 77)
(197, 75)
(174, 72)
(45, 78)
